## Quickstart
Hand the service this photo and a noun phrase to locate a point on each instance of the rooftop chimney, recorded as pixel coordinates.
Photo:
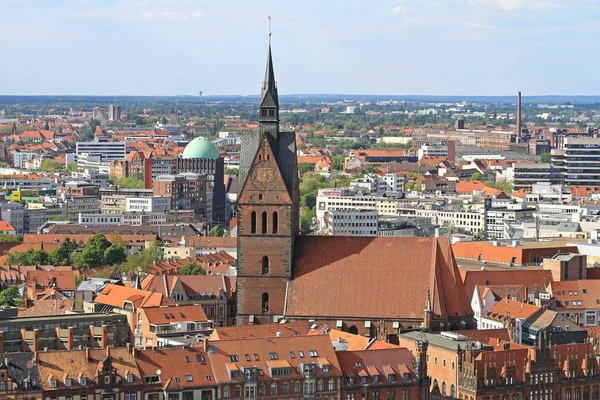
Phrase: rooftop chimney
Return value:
(519, 118)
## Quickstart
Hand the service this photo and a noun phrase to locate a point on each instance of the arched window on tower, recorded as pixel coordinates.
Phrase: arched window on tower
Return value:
(264, 222)
(265, 303)
(275, 222)
(253, 222)
(265, 265)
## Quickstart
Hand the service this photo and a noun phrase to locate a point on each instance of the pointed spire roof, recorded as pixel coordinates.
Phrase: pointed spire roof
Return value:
(269, 97)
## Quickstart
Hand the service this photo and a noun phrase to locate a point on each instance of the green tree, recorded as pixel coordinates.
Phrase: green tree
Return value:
(13, 128)
(545, 157)
(231, 171)
(114, 254)
(304, 168)
(370, 169)
(9, 295)
(155, 251)
(92, 254)
(72, 167)
(480, 235)
(337, 162)
(50, 165)
(216, 231)
(4, 238)
(192, 269)
(477, 177)
(46, 126)
(131, 182)
(59, 256)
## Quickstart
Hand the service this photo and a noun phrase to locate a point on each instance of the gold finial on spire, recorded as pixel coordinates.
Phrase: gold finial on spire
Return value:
(269, 30)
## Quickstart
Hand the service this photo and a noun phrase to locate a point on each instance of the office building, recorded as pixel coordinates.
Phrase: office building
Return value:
(109, 151)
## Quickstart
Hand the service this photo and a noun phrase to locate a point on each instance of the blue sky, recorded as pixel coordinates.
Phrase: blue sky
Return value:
(429, 47)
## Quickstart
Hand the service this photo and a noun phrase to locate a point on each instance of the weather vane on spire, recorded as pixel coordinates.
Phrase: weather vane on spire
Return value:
(269, 30)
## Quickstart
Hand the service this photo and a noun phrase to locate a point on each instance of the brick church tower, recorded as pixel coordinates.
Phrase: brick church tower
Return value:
(268, 212)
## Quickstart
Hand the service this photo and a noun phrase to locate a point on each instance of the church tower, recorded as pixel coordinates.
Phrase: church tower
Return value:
(268, 212)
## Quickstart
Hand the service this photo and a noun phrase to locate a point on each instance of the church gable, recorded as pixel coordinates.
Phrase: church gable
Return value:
(264, 181)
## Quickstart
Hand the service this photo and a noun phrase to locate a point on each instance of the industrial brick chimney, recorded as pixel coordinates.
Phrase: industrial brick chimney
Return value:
(519, 118)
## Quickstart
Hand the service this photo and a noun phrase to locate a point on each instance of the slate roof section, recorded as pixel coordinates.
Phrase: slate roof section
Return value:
(383, 277)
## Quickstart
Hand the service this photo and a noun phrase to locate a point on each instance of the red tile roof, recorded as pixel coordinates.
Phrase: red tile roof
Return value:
(114, 295)
(375, 268)
(174, 365)
(174, 313)
(497, 278)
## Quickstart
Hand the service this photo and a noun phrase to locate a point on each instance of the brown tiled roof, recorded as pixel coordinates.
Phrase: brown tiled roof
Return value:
(74, 364)
(387, 277)
(261, 331)
(511, 309)
(226, 352)
(378, 362)
(499, 278)
(174, 313)
(174, 365)
(115, 295)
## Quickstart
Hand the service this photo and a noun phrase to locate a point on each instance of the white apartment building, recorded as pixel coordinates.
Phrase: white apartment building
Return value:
(148, 204)
(100, 219)
(393, 182)
(351, 223)
(345, 199)
(470, 222)
(109, 151)
(496, 219)
(433, 150)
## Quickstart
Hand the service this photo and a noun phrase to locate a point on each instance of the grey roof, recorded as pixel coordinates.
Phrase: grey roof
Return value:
(434, 340)
(21, 367)
(568, 227)
(96, 284)
(269, 97)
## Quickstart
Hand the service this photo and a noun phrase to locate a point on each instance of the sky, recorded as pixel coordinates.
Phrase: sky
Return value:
(377, 47)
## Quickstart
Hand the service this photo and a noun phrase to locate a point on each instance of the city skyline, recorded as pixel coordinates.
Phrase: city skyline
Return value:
(176, 47)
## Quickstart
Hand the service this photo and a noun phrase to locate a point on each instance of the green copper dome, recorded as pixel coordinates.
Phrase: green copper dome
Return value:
(200, 148)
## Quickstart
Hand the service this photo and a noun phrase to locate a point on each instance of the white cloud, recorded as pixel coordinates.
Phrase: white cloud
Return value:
(401, 10)
(511, 5)
(476, 25)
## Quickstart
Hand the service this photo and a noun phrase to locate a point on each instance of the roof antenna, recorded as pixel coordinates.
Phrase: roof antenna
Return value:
(269, 31)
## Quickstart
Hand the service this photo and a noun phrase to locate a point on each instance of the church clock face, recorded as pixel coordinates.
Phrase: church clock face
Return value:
(264, 176)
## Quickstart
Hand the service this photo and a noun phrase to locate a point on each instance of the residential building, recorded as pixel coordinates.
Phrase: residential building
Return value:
(292, 367)
(215, 293)
(155, 326)
(176, 374)
(82, 205)
(109, 373)
(187, 191)
(114, 112)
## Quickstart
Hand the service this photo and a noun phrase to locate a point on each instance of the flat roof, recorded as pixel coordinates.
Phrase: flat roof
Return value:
(434, 340)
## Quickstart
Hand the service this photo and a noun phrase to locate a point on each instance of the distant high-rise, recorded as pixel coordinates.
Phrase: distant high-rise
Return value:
(114, 112)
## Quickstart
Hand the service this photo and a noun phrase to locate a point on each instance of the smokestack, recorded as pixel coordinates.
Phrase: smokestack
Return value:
(519, 118)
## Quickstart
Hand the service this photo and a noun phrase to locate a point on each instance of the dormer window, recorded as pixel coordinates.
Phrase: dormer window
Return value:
(325, 369)
(68, 382)
(391, 378)
(376, 379)
(53, 383)
(82, 381)
(129, 378)
(107, 379)
(363, 380)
